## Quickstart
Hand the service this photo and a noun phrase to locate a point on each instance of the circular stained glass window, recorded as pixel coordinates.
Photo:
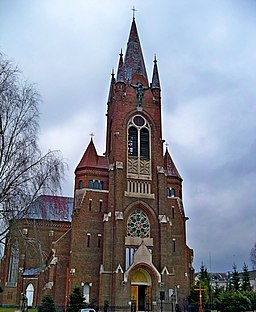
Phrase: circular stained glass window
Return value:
(138, 224)
(139, 121)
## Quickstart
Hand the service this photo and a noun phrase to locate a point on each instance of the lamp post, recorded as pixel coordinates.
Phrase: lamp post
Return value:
(162, 296)
(176, 297)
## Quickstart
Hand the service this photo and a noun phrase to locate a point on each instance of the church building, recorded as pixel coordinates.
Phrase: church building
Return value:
(128, 239)
(125, 245)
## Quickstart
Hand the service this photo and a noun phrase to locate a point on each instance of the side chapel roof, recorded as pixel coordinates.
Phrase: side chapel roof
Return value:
(170, 166)
(91, 158)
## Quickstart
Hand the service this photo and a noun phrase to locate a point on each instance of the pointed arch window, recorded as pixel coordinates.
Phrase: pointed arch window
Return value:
(30, 294)
(13, 264)
(138, 147)
(86, 292)
(138, 137)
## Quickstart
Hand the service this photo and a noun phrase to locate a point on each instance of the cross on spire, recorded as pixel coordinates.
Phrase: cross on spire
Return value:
(91, 135)
(134, 10)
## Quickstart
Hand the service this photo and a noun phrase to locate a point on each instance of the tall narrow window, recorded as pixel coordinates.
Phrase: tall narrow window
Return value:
(173, 212)
(132, 142)
(173, 245)
(101, 185)
(99, 241)
(88, 239)
(100, 205)
(129, 256)
(138, 149)
(80, 184)
(144, 143)
(86, 292)
(90, 184)
(90, 204)
(96, 185)
(13, 264)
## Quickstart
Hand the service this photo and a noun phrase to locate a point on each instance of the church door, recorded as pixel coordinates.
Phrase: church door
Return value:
(141, 297)
(141, 290)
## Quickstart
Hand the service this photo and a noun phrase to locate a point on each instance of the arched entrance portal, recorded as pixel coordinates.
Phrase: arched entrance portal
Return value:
(141, 290)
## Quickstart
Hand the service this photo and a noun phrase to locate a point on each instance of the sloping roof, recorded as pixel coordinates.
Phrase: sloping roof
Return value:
(91, 158)
(51, 208)
(32, 271)
(170, 166)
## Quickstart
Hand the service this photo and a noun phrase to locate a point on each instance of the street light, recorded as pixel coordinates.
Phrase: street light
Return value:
(176, 297)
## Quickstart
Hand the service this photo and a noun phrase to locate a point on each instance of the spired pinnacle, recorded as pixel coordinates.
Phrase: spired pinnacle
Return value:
(155, 77)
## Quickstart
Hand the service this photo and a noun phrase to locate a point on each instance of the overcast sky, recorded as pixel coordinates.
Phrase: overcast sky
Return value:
(206, 53)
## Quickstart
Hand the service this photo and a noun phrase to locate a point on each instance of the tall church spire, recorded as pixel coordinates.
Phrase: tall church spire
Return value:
(134, 66)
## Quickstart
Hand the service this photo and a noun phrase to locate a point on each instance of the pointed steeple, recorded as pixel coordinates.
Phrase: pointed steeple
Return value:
(134, 66)
(170, 166)
(91, 158)
(120, 72)
(155, 77)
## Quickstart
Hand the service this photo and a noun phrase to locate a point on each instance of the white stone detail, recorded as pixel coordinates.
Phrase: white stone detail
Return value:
(119, 269)
(119, 215)
(119, 165)
(106, 216)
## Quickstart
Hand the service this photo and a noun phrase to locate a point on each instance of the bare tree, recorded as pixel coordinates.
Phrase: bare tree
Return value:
(25, 173)
(253, 256)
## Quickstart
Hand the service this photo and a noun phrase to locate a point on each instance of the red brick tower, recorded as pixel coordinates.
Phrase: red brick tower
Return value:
(128, 230)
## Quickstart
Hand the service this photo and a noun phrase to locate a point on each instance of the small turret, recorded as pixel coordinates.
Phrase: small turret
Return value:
(120, 72)
(155, 84)
(155, 77)
(110, 94)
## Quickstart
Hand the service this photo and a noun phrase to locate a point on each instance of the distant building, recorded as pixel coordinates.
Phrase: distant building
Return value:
(252, 277)
(126, 243)
(221, 280)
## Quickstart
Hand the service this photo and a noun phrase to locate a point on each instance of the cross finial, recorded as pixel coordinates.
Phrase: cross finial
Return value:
(166, 145)
(91, 135)
(134, 10)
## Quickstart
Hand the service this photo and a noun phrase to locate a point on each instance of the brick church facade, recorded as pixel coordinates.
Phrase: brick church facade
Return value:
(125, 245)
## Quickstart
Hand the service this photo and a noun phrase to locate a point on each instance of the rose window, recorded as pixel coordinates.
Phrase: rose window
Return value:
(138, 224)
